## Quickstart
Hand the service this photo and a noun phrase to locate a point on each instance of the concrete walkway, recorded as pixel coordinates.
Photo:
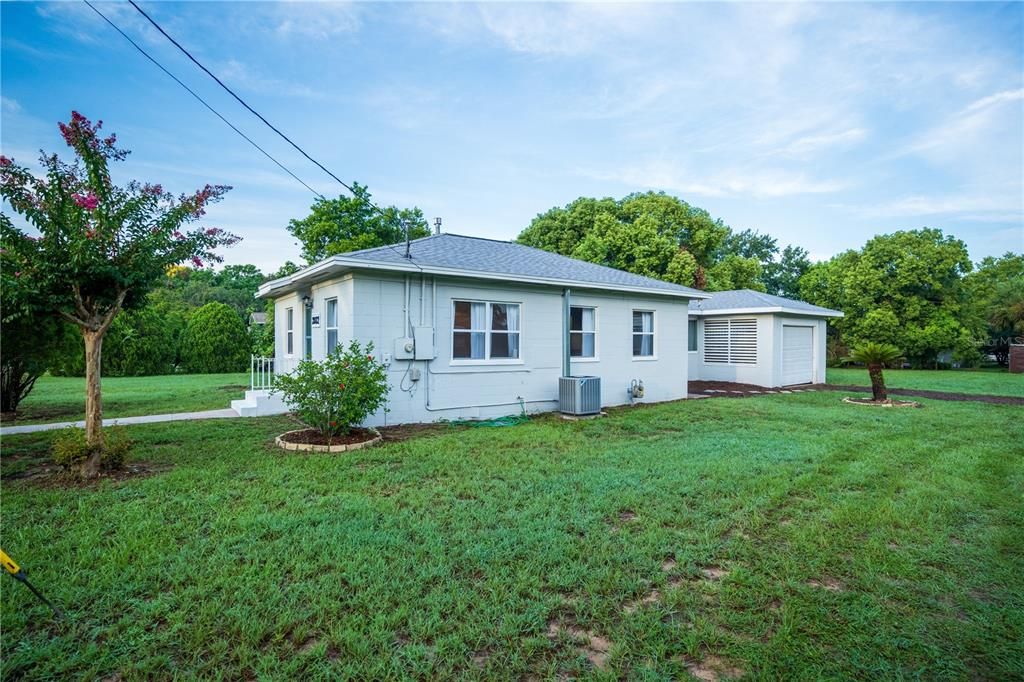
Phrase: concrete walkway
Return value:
(146, 419)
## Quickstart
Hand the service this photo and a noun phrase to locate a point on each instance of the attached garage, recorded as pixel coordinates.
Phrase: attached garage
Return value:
(797, 355)
(750, 337)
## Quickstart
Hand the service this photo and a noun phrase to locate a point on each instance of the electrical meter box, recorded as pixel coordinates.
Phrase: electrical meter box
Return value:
(405, 348)
(423, 345)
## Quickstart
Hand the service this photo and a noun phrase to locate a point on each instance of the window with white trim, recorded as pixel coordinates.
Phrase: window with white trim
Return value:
(691, 335)
(331, 323)
(730, 342)
(582, 332)
(482, 330)
(643, 333)
(289, 331)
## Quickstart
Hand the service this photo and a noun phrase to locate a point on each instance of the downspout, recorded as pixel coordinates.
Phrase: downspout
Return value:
(566, 366)
(405, 308)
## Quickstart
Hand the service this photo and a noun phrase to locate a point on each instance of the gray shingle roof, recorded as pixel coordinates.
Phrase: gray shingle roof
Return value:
(748, 299)
(475, 254)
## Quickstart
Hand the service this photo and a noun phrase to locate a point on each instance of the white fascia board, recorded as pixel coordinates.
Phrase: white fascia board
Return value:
(777, 310)
(341, 263)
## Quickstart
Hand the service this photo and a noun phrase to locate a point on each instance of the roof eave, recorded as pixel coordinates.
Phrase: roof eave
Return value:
(768, 310)
(276, 286)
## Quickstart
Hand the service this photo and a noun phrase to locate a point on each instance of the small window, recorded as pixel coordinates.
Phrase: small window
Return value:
(331, 324)
(289, 331)
(691, 336)
(730, 342)
(643, 334)
(582, 332)
(485, 331)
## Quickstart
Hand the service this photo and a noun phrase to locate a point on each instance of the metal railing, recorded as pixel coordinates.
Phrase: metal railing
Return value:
(261, 373)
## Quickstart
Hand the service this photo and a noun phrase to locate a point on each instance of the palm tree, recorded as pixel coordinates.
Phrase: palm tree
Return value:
(875, 356)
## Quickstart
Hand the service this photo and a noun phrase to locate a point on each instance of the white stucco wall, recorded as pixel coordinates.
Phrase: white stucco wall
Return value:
(768, 369)
(371, 309)
(341, 289)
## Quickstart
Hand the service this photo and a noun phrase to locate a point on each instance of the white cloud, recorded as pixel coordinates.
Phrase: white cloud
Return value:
(10, 105)
(733, 182)
(997, 205)
(540, 29)
(238, 74)
(316, 20)
(810, 144)
(987, 117)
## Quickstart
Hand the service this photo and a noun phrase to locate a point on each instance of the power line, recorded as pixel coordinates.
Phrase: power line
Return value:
(201, 100)
(242, 101)
(274, 128)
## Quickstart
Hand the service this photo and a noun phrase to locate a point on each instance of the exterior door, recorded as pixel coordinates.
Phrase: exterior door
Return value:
(797, 355)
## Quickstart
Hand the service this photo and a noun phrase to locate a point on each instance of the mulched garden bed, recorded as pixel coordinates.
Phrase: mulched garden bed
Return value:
(42, 472)
(314, 437)
(726, 389)
(937, 395)
(890, 403)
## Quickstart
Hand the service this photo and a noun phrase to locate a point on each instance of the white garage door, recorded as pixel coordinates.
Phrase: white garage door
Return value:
(797, 355)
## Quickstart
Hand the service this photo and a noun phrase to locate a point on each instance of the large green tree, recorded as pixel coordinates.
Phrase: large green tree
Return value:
(101, 247)
(650, 233)
(139, 343)
(904, 289)
(29, 341)
(996, 291)
(781, 275)
(350, 223)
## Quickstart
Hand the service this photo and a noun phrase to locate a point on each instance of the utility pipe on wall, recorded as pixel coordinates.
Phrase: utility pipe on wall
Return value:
(566, 366)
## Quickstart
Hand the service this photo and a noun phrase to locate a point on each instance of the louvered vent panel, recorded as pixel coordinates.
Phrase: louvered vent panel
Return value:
(730, 342)
(743, 342)
(716, 341)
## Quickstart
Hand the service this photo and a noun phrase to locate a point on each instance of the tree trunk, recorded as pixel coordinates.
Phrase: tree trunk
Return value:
(93, 401)
(878, 391)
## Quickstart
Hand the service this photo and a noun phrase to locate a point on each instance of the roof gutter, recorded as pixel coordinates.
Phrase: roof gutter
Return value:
(824, 312)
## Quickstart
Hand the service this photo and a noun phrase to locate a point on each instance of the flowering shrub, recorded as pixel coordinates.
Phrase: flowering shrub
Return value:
(339, 393)
(101, 247)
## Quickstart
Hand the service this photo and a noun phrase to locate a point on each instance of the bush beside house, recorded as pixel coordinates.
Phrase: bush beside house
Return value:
(215, 341)
(339, 393)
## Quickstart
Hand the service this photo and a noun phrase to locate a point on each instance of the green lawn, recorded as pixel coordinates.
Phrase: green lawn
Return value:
(984, 381)
(783, 536)
(57, 399)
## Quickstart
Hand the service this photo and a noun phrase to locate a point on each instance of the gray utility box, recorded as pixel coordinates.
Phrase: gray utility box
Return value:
(579, 395)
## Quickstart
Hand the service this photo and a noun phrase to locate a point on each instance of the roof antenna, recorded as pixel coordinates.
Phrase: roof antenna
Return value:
(437, 225)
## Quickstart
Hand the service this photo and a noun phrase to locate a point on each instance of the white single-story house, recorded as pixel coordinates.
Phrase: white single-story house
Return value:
(474, 328)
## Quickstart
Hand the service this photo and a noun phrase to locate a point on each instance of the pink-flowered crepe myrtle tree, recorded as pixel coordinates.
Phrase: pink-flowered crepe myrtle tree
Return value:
(101, 247)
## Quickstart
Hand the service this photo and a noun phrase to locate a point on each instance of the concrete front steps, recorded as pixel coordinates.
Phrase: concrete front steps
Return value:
(259, 403)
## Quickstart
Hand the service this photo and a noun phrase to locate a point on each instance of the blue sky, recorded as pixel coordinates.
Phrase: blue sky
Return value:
(821, 125)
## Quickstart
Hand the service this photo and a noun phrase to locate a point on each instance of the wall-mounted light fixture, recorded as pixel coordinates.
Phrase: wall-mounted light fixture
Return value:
(307, 301)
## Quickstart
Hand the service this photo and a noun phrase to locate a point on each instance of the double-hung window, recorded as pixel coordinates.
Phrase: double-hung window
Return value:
(289, 331)
(582, 332)
(691, 336)
(643, 334)
(482, 330)
(331, 324)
